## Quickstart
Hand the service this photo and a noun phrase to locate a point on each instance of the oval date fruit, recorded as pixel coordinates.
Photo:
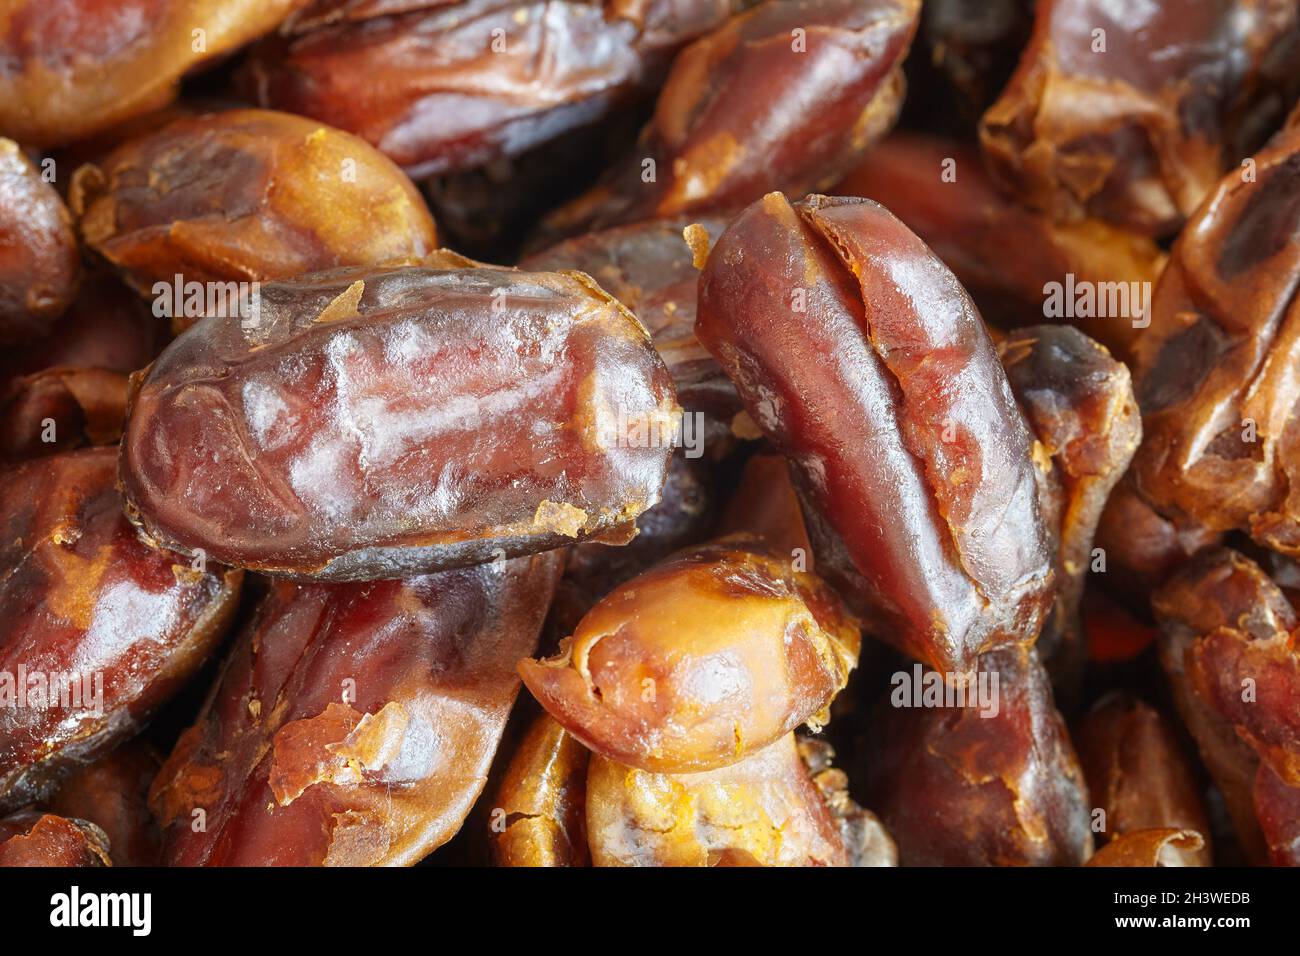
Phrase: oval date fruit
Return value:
(354, 725)
(383, 422)
(92, 620)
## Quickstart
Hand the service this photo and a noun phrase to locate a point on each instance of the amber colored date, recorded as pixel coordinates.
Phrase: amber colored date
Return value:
(246, 195)
(96, 628)
(383, 422)
(452, 87)
(112, 793)
(865, 363)
(1079, 403)
(38, 249)
(966, 786)
(763, 811)
(75, 68)
(1008, 257)
(1140, 778)
(33, 838)
(1156, 847)
(1131, 113)
(1228, 652)
(543, 797)
(1215, 370)
(353, 725)
(784, 96)
(700, 661)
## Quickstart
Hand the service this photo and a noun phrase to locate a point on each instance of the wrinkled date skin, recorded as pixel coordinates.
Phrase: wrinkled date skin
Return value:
(650, 268)
(38, 249)
(112, 793)
(76, 67)
(33, 838)
(91, 619)
(748, 108)
(959, 786)
(247, 195)
(544, 798)
(1004, 254)
(384, 422)
(450, 88)
(1137, 134)
(865, 363)
(1147, 848)
(700, 661)
(1215, 370)
(1228, 649)
(1079, 403)
(763, 811)
(1139, 776)
(354, 724)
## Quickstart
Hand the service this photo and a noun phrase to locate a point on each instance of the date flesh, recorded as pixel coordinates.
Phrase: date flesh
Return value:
(543, 797)
(353, 725)
(390, 421)
(1147, 848)
(899, 421)
(700, 661)
(33, 838)
(112, 793)
(93, 623)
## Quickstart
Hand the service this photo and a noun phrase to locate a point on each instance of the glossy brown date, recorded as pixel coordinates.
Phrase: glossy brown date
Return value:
(1215, 370)
(1131, 113)
(1006, 256)
(1228, 652)
(34, 838)
(543, 801)
(865, 363)
(353, 725)
(38, 249)
(1079, 403)
(77, 67)
(96, 629)
(700, 661)
(1139, 777)
(453, 87)
(383, 422)
(784, 96)
(61, 409)
(112, 793)
(763, 811)
(965, 786)
(246, 196)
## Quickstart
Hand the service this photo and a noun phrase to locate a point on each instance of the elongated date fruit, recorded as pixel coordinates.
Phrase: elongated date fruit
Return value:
(734, 118)
(865, 363)
(247, 196)
(1140, 778)
(1228, 650)
(38, 249)
(987, 779)
(765, 810)
(1131, 113)
(542, 801)
(441, 88)
(700, 661)
(96, 628)
(378, 423)
(1079, 403)
(34, 838)
(1215, 372)
(353, 725)
(78, 67)
(1019, 265)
